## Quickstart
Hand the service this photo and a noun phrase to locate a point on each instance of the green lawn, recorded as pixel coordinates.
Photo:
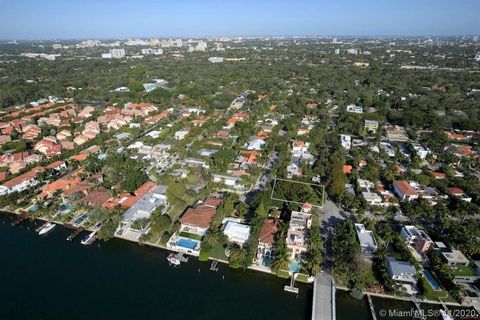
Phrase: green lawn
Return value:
(302, 277)
(218, 252)
(431, 294)
(283, 274)
(191, 236)
(463, 271)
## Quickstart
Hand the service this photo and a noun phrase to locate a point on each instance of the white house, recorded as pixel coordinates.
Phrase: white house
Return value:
(237, 232)
(346, 141)
(422, 151)
(354, 108)
(227, 180)
(404, 190)
(181, 134)
(21, 183)
(366, 238)
(368, 192)
(256, 144)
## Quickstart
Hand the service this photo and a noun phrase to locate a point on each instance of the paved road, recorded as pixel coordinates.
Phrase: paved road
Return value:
(330, 216)
(263, 179)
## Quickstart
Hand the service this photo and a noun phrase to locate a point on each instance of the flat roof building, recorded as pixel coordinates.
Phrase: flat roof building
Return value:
(366, 238)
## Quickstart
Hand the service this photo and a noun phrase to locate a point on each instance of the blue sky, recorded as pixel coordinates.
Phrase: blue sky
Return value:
(49, 19)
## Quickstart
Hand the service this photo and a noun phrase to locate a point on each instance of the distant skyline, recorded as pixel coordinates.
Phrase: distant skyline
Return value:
(102, 19)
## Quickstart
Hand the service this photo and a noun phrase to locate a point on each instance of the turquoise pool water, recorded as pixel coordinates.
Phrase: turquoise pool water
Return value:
(187, 243)
(80, 219)
(431, 280)
(294, 266)
(32, 209)
(266, 261)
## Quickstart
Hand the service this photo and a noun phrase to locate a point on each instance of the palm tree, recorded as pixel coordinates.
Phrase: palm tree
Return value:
(211, 239)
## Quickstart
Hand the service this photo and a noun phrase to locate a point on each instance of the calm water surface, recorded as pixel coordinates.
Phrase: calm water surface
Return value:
(51, 278)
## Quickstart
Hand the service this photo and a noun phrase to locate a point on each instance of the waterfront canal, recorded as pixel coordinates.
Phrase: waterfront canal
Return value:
(50, 278)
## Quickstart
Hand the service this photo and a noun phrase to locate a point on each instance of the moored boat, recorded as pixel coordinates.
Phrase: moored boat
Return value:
(89, 238)
(173, 260)
(46, 228)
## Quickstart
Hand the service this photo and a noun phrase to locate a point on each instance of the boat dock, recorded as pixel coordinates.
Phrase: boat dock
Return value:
(20, 219)
(291, 287)
(213, 266)
(323, 297)
(75, 233)
(90, 239)
(372, 309)
(37, 230)
(181, 257)
(419, 314)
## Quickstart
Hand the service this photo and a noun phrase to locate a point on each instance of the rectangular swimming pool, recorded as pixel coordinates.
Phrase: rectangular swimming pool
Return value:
(187, 243)
(431, 280)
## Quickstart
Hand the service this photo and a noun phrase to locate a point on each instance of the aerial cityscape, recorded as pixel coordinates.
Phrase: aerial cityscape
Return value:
(247, 160)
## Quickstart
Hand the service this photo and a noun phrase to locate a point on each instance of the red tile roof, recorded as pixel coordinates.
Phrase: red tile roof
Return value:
(268, 231)
(201, 215)
(405, 188)
(456, 191)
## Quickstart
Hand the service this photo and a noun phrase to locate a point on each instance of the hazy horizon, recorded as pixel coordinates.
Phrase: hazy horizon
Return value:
(108, 19)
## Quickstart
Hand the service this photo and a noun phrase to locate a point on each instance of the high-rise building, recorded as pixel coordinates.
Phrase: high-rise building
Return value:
(117, 53)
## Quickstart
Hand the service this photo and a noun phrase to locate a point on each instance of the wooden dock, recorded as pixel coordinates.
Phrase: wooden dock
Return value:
(372, 309)
(75, 233)
(181, 257)
(37, 230)
(20, 219)
(213, 266)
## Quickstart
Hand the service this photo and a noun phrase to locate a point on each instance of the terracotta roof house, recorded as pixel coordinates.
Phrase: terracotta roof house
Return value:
(96, 197)
(126, 200)
(268, 232)
(404, 190)
(196, 220)
(22, 182)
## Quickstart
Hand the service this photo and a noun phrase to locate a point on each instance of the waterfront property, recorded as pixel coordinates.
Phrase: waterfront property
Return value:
(194, 225)
(403, 273)
(297, 240)
(236, 232)
(142, 209)
(266, 241)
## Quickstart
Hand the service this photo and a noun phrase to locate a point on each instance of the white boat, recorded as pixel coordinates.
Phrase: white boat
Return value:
(47, 227)
(89, 238)
(445, 315)
(172, 259)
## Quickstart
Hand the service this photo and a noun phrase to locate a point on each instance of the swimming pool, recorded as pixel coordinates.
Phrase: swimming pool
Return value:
(65, 207)
(266, 261)
(294, 266)
(32, 209)
(431, 280)
(187, 243)
(80, 219)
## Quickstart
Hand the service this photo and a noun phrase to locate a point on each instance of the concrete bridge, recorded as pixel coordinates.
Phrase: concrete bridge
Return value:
(323, 297)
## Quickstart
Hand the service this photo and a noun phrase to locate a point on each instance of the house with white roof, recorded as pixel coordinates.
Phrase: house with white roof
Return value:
(366, 239)
(237, 232)
(368, 192)
(346, 141)
(181, 134)
(255, 144)
(354, 108)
